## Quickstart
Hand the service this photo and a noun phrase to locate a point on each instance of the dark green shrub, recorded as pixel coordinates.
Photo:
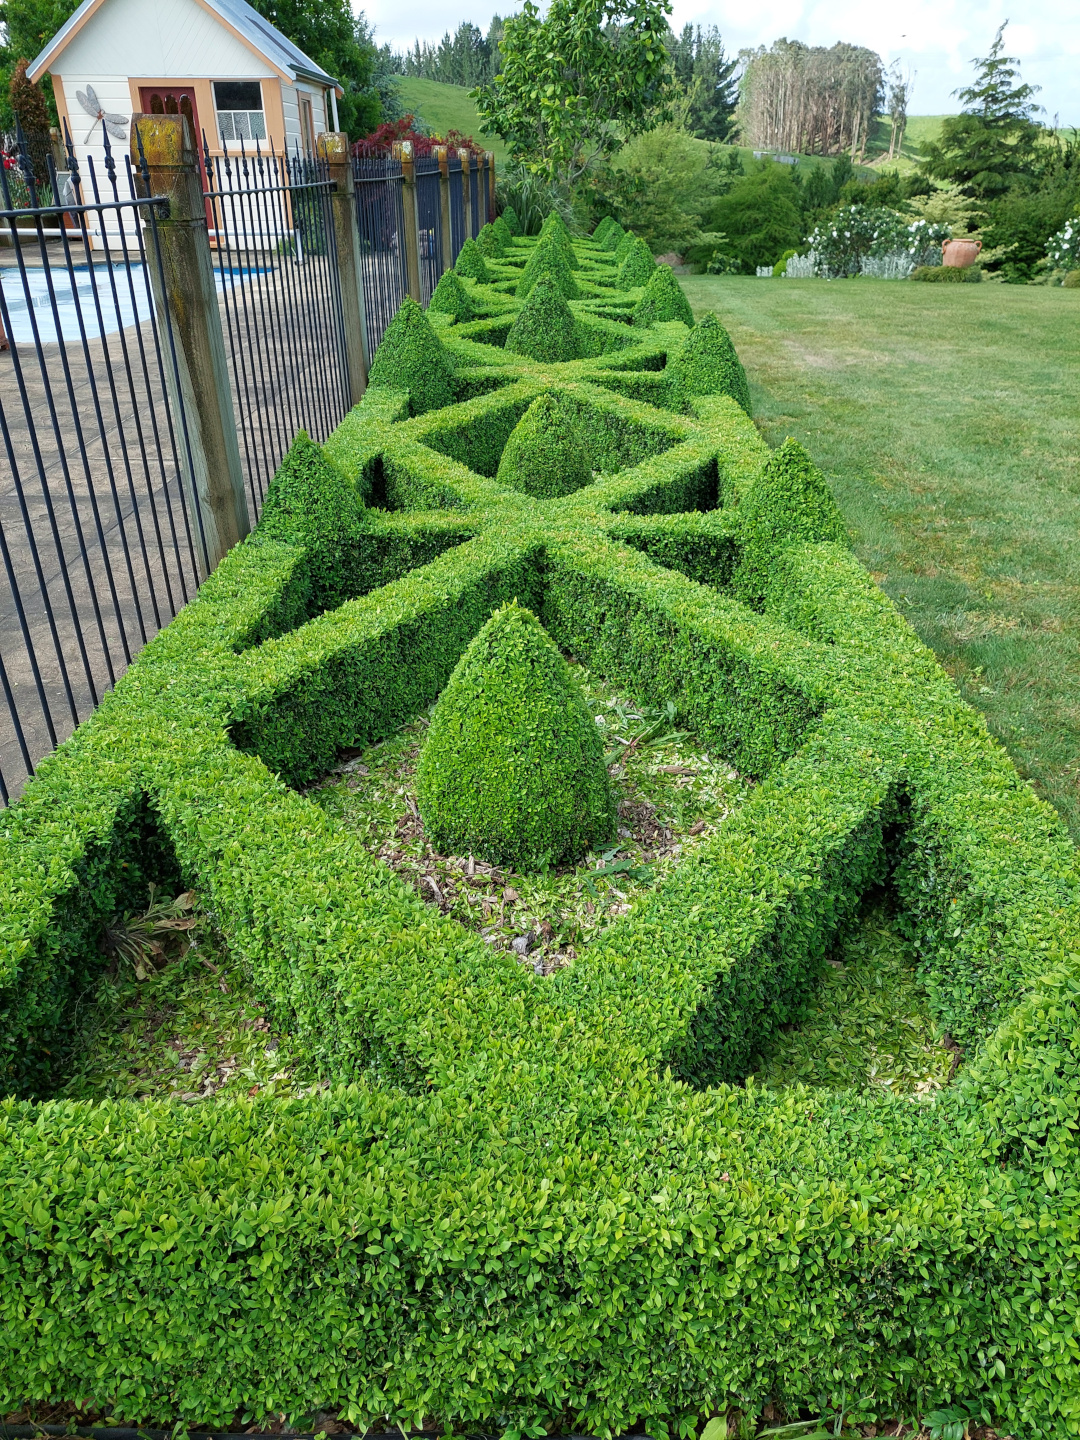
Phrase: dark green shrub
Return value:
(789, 504)
(412, 357)
(503, 231)
(948, 274)
(759, 216)
(508, 215)
(548, 259)
(489, 242)
(637, 268)
(545, 328)
(512, 769)
(310, 503)
(470, 263)
(451, 298)
(663, 300)
(706, 364)
(545, 455)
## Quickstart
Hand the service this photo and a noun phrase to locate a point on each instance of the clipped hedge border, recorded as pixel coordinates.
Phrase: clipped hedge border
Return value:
(538, 1204)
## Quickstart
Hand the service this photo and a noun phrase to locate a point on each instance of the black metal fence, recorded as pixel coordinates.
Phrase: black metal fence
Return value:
(457, 204)
(272, 231)
(428, 223)
(380, 219)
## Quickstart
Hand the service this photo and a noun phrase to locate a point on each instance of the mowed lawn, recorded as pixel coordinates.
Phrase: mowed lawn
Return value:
(947, 422)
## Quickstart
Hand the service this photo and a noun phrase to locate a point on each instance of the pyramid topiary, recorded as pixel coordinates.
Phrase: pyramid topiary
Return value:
(663, 300)
(545, 328)
(451, 298)
(625, 244)
(614, 237)
(545, 455)
(508, 215)
(309, 502)
(412, 357)
(489, 242)
(470, 263)
(788, 503)
(548, 259)
(637, 268)
(602, 230)
(554, 229)
(706, 364)
(503, 231)
(512, 770)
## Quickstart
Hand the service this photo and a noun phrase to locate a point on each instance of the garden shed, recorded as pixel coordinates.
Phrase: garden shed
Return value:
(234, 75)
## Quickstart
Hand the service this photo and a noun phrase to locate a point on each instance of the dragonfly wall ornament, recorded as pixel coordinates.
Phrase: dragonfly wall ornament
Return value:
(115, 125)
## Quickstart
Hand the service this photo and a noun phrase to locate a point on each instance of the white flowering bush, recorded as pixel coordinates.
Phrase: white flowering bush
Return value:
(860, 240)
(1063, 249)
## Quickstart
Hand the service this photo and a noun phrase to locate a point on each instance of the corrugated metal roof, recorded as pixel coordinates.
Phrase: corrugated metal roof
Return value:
(266, 38)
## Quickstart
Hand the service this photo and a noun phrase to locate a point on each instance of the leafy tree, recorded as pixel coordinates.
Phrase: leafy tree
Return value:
(760, 216)
(991, 146)
(28, 26)
(706, 76)
(576, 82)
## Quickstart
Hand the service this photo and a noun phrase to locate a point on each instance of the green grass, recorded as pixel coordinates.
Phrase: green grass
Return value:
(447, 107)
(945, 421)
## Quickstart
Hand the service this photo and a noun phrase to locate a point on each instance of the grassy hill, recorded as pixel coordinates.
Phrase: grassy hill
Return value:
(447, 107)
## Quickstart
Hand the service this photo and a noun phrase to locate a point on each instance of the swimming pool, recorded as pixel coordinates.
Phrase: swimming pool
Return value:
(107, 297)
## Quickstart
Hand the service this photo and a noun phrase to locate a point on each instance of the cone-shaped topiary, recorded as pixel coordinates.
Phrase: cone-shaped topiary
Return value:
(788, 504)
(602, 230)
(706, 364)
(503, 231)
(626, 243)
(637, 268)
(545, 455)
(615, 236)
(554, 228)
(412, 357)
(545, 327)
(309, 502)
(489, 242)
(451, 298)
(470, 263)
(512, 769)
(548, 259)
(508, 215)
(663, 300)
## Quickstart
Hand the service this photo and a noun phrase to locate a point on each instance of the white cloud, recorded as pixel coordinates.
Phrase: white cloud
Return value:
(936, 38)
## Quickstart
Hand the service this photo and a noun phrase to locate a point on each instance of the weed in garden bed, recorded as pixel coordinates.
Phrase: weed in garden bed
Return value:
(175, 1017)
(671, 796)
(868, 1025)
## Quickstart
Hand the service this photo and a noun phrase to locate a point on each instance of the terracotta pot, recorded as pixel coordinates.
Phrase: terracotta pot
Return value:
(960, 253)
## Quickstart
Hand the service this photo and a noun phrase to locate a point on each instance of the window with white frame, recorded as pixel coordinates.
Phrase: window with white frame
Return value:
(239, 106)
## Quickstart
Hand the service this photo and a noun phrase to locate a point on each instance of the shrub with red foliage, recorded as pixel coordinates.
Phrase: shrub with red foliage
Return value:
(382, 140)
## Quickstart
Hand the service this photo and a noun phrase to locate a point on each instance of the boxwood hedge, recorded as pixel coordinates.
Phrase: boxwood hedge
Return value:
(526, 1204)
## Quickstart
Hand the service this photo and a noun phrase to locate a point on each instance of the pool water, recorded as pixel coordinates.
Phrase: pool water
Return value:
(107, 298)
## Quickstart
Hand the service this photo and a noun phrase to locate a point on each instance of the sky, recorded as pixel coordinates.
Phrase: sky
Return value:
(934, 38)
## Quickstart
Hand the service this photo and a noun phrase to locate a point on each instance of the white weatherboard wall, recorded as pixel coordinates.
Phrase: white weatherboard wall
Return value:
(291, 108)
(175, 39)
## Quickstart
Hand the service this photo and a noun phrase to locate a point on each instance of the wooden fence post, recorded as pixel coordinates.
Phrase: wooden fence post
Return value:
(402, 150)
(333, 147)
(489, 156)
(187, 305)
(465, 156)
(443, 155)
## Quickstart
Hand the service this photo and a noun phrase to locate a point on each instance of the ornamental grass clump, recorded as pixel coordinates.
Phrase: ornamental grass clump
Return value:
(470, 263)
(548, 259)
(545, 455)
(412, 357)
(451, 298)
(706, 364)
(545, 328)
(663, 300)
(512, 770)
(637, 268)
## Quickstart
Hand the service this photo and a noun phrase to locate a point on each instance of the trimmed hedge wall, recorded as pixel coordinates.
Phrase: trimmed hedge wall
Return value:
(532, 1204)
